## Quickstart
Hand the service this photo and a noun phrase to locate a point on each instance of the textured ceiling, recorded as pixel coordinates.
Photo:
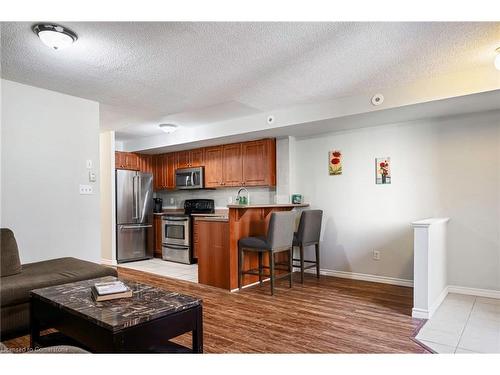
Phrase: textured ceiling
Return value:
(199, 73)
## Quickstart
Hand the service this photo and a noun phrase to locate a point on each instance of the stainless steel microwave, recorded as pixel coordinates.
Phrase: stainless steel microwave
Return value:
(189, 178)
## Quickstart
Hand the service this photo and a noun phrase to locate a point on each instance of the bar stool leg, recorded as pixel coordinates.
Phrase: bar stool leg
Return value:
(301, 264)
(271, 267)
(290, 264)
(317, 260)
(260, 267)
(240, 262)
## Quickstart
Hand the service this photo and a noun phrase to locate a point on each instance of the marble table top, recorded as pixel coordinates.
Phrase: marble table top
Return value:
(147, 303)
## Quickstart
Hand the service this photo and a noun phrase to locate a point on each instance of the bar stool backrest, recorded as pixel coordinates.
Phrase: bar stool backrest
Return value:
(309, 227)
(280, 230)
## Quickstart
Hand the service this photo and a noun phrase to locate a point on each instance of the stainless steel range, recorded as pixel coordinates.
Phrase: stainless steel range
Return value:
(176, 230)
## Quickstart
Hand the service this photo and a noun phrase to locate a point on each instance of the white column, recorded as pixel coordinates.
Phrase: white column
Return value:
(107, 183)
(430, 266)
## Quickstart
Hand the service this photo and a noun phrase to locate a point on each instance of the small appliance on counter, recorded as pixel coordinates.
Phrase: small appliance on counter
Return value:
(296, 198)
(158, 207)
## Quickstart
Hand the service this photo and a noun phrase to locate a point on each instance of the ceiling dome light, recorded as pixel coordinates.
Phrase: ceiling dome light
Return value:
(55, 36)
(168, 128)
(497, 58)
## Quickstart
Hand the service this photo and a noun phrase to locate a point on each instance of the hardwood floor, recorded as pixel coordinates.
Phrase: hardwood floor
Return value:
(329, 315)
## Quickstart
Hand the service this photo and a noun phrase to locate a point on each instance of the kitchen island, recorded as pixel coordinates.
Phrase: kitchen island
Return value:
(245, 221)
(216, 242)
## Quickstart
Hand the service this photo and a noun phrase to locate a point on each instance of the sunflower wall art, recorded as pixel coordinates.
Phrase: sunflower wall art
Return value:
(335, 163)
(383, 167)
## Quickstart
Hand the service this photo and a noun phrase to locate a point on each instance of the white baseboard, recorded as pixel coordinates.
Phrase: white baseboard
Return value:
(488, 293)
(365, 277)
(419, 313)
(108, 262)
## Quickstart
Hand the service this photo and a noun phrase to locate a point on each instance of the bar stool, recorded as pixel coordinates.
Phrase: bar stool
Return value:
(279, 239)
(308, 234)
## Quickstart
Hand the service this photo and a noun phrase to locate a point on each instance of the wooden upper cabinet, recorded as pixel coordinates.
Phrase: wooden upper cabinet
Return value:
(197, 157)
(157, 172)
(132, 161)
(171, 164)
(232, 165)
(238, 164)
(190, 158)
(119, 160)
(259, 163)
(164, 171)
(183, 159)
(213, 166)
(146, 163)
(126, 160)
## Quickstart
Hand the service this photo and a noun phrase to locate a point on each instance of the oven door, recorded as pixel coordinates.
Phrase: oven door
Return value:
(175, 230)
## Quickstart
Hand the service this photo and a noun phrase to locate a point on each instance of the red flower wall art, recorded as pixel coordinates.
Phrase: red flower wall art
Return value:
(383, 167)
(335, 162)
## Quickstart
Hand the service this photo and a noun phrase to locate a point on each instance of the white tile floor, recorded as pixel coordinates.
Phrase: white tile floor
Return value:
(188, 272)
(464, 324)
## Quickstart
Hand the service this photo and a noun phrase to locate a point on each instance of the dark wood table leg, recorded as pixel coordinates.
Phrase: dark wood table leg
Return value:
(198, 331)
(34, 328)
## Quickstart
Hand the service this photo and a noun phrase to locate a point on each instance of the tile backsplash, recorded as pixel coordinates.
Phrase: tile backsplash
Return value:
(222, 197)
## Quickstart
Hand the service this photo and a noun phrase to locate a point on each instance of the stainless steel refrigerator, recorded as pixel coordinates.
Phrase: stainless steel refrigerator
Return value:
(134, 215)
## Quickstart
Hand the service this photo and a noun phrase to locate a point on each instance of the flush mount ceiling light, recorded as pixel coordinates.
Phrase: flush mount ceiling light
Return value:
(497, 58)
(54, 36)
(168, 128)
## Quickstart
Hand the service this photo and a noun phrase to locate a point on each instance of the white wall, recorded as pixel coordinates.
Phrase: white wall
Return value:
(46, 139)
(446, 167)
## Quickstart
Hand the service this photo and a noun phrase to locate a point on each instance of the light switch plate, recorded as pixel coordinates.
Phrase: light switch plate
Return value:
(89, 164)
(86, 190)
(92, 176)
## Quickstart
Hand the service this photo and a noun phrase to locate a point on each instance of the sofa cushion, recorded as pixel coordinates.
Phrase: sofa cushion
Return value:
(9, 254)
(16, 289)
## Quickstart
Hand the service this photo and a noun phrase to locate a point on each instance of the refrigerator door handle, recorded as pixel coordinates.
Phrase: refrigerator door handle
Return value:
(125, 227)
(134, 197)
(137, 199)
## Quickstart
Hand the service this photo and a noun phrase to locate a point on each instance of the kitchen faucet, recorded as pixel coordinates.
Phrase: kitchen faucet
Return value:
(243, 200)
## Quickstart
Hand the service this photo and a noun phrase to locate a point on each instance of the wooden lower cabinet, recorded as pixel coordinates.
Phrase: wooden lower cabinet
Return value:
(157, 233)
(212, 252)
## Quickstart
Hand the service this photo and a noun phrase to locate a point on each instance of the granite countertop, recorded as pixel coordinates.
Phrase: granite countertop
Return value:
(267, 205)
(147, 303)
(212, 218)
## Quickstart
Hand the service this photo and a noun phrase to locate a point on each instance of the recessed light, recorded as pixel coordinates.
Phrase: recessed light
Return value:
(497, 58)
(168, 128)
(54, 36)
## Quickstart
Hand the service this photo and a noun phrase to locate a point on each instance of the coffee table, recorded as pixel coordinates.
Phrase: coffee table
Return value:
(141, 324)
